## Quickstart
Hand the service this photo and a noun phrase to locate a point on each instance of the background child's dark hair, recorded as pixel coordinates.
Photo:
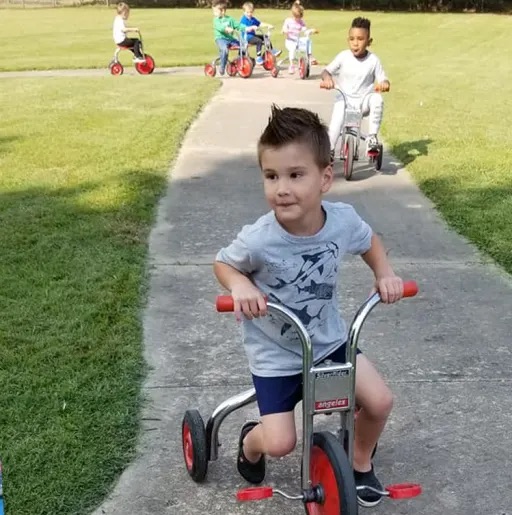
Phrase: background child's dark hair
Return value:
(295, 125)
(361, 23)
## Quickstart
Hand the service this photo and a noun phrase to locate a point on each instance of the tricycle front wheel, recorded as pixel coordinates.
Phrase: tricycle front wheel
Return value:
(331, 470)
(348, 155)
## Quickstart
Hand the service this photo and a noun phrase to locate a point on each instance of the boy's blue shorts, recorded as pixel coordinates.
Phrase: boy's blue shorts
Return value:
(281, 394)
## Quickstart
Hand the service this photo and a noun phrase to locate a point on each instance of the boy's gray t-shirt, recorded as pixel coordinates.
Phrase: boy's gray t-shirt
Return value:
(300, 273)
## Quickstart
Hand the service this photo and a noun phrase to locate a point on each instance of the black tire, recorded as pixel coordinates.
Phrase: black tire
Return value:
(378, 162)
(195, 448)
(329, 461)
(348, 153)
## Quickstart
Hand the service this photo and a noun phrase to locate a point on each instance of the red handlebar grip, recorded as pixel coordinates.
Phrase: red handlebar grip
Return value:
(410, 288)
(225, 303)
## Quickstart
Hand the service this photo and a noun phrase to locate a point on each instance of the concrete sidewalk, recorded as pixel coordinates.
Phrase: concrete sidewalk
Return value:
(100, 72)
(446, 353)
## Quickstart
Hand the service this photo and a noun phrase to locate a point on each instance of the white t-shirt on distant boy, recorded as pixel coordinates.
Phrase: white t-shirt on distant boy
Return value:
(356, 77)
(118, 31)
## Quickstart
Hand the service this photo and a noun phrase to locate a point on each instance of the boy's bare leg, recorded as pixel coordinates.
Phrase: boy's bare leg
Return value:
(275, 436)
(376, 401)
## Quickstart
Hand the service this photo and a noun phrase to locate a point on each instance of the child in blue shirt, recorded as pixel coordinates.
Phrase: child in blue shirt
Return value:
(251, 24)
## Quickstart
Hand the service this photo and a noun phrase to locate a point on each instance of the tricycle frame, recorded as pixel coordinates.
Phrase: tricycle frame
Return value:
(346, 430)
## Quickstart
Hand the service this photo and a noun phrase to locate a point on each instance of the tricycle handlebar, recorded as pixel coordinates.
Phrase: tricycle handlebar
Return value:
(226, 304)
(376, 88)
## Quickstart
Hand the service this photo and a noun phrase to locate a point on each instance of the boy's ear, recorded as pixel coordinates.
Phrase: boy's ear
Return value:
(370, 41)
(327, 178)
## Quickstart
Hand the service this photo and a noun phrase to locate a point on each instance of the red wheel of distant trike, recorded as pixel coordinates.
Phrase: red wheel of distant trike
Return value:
(210, 70)
(331, 470)
(116, 69)
(146, 67)
(232, 68)
(302, 68)
(269, 61)
(348, 155)
(244, 67)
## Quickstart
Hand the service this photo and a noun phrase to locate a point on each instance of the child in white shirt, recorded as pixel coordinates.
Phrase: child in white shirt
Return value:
(292, 28)
(120, 30)
(355, 72)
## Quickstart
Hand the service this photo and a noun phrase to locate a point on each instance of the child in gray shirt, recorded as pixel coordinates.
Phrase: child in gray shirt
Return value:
(292, 256)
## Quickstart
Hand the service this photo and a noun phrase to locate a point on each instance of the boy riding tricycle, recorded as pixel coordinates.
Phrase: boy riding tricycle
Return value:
(281, 273)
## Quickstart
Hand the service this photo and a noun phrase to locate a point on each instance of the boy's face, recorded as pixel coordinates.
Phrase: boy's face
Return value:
(294, 185)
(248, 12)
(219, 11)
(358, 40)
(126, 14)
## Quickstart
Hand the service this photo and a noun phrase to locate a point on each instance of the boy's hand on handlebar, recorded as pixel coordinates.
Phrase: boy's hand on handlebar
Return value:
(229, 30)
(327, 83)
(390, 288)
(248, 300)
(383, 86)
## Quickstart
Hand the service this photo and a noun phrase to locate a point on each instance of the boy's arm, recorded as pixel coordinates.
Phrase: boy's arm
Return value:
(381, 78)
(389, 285)
(331, 69)
(233, 267)
(247, 298)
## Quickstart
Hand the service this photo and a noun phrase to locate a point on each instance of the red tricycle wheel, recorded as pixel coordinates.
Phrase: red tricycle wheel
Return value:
(116, 69)
(147, 66)
(210, 70)
(269, 61)
(195, 449)
(348, 156)
(231, 68)
(302, 68)
(244, 67)
(331, 470)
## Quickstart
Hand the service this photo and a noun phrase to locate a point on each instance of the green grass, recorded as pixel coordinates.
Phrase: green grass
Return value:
(81, 175)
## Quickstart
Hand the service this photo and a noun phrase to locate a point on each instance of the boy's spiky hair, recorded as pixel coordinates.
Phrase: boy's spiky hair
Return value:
(220, 3)
(361, 23)
(295, 125)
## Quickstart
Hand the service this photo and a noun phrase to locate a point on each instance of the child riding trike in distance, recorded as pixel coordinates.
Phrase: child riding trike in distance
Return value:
(358, 76)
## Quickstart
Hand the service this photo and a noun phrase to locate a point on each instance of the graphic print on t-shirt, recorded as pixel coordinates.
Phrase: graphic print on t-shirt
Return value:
(310, 278)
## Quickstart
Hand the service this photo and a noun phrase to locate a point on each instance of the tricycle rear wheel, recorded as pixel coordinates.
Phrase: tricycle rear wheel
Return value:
(330, 469)
(195, 449)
